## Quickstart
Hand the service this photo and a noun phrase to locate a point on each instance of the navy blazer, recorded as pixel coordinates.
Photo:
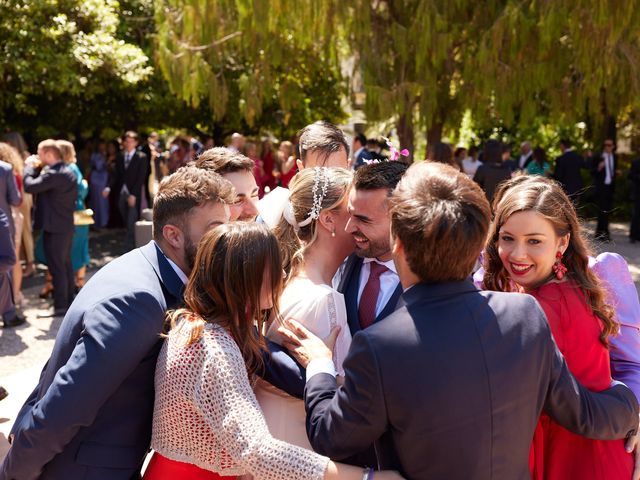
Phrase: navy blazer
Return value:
(568, 172)
(134, 176)
(57, 189)
(349, 285)
(91, 413)
(451, 386)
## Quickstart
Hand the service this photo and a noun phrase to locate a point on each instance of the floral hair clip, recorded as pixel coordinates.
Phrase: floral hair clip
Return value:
(395, 153)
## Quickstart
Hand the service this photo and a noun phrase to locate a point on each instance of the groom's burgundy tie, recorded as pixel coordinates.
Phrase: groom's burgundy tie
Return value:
(369, 298)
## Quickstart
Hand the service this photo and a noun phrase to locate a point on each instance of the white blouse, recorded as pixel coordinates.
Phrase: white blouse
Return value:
(206, 413)
(318, 307)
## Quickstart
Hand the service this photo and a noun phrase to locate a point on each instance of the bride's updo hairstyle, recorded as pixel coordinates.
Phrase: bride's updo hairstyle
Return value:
(313, 190)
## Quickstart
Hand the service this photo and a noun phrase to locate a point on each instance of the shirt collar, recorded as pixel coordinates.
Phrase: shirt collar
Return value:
(389, 264)
(183, 277)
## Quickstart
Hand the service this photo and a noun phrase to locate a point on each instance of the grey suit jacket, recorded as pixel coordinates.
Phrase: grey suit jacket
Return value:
(451, 386)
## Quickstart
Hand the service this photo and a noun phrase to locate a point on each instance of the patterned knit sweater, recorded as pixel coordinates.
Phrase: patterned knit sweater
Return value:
(206, 413)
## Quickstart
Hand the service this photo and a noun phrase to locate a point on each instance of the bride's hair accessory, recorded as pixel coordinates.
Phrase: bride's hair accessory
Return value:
(319, 190)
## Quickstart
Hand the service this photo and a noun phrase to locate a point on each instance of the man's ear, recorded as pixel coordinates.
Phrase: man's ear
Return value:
(397, 248)
(299, 164)
(173, 236)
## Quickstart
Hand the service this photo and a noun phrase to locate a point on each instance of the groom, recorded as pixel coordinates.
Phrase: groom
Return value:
(452, 384)
(369, 281)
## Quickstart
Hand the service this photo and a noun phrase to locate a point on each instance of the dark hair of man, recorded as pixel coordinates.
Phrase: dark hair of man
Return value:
(361, 138)
(322, 136)
(441, 217)
(379, 175)
(492, 152)
(565, 142)
(130, 134)
(185, 189)
(224, 160)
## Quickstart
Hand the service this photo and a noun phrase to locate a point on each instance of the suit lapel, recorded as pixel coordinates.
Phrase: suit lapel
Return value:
(172, 285)
(391, 305)
(350, 283)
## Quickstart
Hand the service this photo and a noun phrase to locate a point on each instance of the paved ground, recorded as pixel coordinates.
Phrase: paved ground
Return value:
(24, 350)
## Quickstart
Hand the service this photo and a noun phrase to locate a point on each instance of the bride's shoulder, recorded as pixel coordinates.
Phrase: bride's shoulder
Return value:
(304, 291)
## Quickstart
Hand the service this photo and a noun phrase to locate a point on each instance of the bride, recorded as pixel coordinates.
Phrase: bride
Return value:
(313, 241)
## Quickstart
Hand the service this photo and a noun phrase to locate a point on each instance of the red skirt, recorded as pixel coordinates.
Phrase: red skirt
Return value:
(162, 468)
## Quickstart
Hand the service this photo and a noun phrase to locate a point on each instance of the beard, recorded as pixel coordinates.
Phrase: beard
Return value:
(190, 250)
(373, 249)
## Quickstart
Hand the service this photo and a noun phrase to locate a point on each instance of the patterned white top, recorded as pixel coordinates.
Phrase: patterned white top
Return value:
(206, 413)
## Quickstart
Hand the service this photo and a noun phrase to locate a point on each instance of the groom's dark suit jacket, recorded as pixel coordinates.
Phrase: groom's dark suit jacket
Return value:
(452, 385)
(90, 415)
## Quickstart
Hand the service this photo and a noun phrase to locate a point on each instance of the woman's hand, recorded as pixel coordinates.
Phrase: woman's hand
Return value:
(304, 345)
(633, 445)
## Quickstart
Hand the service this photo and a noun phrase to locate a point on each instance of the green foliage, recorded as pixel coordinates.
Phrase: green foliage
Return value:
(63, 48)
(253, 64)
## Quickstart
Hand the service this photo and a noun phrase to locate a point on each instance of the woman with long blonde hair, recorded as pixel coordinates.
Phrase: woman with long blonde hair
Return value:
(535, 245)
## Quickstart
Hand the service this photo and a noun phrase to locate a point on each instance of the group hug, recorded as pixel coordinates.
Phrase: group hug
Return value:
(380, 324)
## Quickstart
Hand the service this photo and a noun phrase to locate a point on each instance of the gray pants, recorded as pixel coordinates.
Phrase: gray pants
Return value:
(130, 216)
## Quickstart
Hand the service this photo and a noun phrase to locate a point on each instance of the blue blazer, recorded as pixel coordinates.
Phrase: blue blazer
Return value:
(349, 285)
(90, 415)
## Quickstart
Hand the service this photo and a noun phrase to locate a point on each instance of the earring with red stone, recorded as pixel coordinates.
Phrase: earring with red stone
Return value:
(558, 267)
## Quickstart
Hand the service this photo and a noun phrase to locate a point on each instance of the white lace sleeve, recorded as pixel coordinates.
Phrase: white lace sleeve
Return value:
(226, 401)
(332, 311)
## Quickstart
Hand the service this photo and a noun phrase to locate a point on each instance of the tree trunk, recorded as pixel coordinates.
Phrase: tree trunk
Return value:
(404, 125)
(434, 132)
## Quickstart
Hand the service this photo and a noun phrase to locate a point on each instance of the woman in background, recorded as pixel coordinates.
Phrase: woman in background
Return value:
(27, 242)
(285, 164)
(539, 165)
(98, 181)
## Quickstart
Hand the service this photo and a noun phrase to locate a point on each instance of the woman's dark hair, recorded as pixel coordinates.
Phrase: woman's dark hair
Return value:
(540, 156)
(232, 263)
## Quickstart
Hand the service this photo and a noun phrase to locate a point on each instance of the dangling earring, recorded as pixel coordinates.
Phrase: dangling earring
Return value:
(558, 267)
(333, 233)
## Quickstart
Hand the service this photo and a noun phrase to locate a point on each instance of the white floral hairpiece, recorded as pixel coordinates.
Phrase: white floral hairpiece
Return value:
(319, 190)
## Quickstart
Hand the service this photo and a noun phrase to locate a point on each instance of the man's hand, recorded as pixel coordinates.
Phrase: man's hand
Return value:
(304, 345)
(105, 192)
(131, 201)
(632, 445)
(601, 166)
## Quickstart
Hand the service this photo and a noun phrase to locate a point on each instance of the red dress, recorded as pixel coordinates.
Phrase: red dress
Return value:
(556, 453)
(163, 468)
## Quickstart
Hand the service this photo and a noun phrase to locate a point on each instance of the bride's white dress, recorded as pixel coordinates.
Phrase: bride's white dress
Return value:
(318, 307)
